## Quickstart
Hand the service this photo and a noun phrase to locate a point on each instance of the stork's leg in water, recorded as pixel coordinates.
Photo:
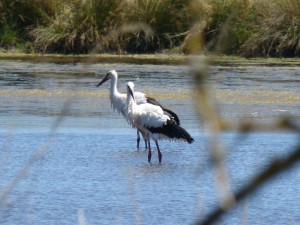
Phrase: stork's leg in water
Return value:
(138, 139)
(149, 152)
(145, 139)
(158, 151)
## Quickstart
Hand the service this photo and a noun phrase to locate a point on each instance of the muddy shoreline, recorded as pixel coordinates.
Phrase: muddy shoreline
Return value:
(159, 59)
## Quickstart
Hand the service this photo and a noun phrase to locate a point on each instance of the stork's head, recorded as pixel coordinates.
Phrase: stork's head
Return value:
(130, 89)
(110, 75)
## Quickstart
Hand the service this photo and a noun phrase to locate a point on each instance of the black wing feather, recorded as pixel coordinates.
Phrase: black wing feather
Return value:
(172, 130)
(166, 110)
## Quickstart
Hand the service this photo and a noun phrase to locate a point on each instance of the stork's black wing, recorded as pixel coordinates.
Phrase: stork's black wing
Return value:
(166, 110)
(172, 130)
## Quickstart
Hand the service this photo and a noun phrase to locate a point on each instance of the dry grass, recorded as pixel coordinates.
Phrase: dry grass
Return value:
(243, 27)
(277, 32)
(76, 31)
(115, 26)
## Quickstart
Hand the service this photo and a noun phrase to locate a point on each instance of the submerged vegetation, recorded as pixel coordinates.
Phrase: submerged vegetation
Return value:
(234, 27)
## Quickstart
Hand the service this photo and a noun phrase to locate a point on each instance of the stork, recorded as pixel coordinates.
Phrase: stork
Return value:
(118, 100)
(153, 122)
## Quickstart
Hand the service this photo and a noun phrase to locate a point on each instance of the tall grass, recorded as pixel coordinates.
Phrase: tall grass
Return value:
(77, 31)
(72, 30)
(167, 18)
(243, 27)
(16, 17)
(277, 33)
(221, 25)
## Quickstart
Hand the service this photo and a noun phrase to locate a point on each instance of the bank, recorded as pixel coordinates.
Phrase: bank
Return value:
(169, 59)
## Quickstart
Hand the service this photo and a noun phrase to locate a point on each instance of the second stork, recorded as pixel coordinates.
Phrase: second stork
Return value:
(153, 122)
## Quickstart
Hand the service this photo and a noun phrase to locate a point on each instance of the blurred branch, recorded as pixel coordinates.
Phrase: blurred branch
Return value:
(276, 167)
(5, 191)
(215, 125)
(284, 123)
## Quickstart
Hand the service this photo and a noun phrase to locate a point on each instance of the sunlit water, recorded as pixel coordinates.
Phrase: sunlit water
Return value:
(67, 158)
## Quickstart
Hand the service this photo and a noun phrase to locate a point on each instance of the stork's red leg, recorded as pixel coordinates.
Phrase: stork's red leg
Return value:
(149, 152)
(138, 140)
(145, 139)
(158, 151)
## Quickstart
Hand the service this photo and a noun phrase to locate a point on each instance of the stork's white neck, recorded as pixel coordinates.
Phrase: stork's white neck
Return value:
(113, 87)
(131, 104)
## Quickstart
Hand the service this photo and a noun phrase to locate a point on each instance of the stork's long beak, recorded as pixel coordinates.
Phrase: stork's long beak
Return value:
(131, 92)
(103, 80)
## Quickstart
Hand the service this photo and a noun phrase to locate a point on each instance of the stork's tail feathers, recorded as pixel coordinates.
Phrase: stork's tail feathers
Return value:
(184, 134)
(172, 130)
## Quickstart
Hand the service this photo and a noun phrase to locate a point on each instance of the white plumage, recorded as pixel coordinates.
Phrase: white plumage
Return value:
(118, 100)
(153, 122)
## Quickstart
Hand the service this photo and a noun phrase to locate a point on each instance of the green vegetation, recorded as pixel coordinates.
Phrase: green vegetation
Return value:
(252, 28)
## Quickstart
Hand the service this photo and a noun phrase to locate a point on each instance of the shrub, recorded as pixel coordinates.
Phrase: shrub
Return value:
(16, 17)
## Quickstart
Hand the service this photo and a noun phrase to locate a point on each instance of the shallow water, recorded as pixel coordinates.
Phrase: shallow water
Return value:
(84, 166)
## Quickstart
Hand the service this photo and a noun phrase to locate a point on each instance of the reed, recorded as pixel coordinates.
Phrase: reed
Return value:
(167, 19)
(16, 18)
(276, 31)
(218, 26)
(73, 31)
(76, 31)
(233, 27)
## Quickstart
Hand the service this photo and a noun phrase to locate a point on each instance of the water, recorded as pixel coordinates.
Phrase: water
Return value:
(83, 167)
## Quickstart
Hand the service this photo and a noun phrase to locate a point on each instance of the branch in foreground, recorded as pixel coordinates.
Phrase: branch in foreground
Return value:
(275, 168)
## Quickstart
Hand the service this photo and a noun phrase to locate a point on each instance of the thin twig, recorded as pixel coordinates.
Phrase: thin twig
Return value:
(276, 167)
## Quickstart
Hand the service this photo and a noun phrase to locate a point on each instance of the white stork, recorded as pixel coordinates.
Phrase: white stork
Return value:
(118, 100)
(153, 122)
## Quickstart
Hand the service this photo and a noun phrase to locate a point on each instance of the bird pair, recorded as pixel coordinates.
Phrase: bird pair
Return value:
(148, 116)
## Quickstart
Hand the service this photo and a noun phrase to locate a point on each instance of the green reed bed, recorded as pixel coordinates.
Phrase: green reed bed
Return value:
(234, 27)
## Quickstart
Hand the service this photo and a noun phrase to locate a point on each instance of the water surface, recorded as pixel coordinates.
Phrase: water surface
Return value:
(81, 161)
